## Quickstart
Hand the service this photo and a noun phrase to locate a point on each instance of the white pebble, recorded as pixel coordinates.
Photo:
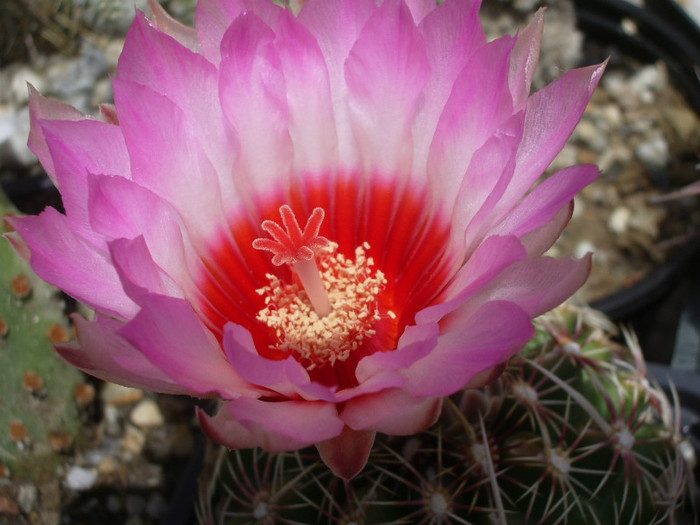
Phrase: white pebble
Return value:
(611, 115)
(14, 130)
(589, 133)
(133, 442)
(648, 79)
(18, 84)
(112, 424)
(583, 247)
(147, 414)
(619, 220)
(27, 495)
(687, 451)
(615, 156)
(618, 87)
(586, 131)
(118, 395)
(647, 219)
(693, 9)
(8, 122)
(653, 152)
(79, 478)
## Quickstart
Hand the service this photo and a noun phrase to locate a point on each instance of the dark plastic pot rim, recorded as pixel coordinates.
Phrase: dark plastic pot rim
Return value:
(663, 31)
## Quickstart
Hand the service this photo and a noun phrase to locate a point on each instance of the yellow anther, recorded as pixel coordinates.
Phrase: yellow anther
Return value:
(352, 290)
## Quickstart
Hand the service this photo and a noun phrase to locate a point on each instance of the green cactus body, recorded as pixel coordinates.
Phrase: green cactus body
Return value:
(39, 417)
(572, 432)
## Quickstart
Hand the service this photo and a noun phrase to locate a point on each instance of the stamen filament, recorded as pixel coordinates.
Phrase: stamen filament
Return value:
(310, 278)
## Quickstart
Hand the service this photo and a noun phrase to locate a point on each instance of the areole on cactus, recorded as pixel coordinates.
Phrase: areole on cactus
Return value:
(412, 147)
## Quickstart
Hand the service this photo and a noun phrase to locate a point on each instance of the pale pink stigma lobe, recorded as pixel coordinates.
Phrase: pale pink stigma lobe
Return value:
(298, 248)
(292, 244)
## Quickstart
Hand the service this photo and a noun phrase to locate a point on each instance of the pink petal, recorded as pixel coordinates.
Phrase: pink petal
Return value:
(170, 334)
(138, 272)
(212, 19)
(162, 144)
(336, 26)
(41, 108)
(551, 115)
(253, 99)
(18, 245)
(156, 60)
(472, 345)
(487, 376)
(489, 260)
(558, 280)
(108, 112)
(420, 8)
(90, 146)
(63, 258)
(105, 354)
(415, 343)
(524, 59)
(452, 33)
(225, 430)
(187, 36)
(536, 285)
(275, 426)
(385, 72)
(474, 111)
(311, 123)
(541, 205)
(120, 208)
(392, 411)
(539, 241)
(376, 382)
(347, 454)
(489, 173)
(78, 149)
(285, 377)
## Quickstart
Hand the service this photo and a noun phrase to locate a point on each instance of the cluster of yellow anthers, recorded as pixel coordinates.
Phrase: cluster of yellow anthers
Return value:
(352, 290)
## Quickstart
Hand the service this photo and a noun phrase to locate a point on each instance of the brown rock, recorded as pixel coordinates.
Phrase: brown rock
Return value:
(57, 334)
(8, 506)
(21, 287)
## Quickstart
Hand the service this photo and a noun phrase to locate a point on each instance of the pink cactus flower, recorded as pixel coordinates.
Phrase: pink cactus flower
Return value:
(329, 221)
